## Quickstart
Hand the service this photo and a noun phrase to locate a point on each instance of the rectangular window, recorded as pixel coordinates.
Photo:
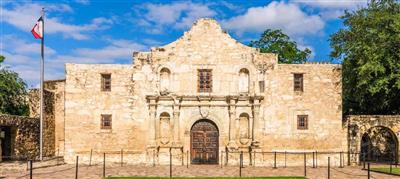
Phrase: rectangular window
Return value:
(302, 122)
(106, 82)
(106, 121)
(262, 86)
(205, 81)
(298, 82)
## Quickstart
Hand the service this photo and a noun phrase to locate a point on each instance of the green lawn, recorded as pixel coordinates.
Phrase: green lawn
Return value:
(387, 170)
(277, 177)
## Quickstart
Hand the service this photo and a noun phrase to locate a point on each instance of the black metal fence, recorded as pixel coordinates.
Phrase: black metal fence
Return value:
(275, 159)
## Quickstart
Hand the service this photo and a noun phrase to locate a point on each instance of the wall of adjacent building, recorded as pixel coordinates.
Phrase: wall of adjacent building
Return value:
(84, 104)
(320, 100)
(57, 87)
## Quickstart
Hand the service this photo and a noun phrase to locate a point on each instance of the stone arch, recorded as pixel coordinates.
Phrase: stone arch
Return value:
(215, 119)
(359, 125)
(165, 78)
(379, 144)
(244, 80)
(165, 128)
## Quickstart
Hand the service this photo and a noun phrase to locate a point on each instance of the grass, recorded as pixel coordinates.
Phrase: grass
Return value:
(387, 170)
(275, 177)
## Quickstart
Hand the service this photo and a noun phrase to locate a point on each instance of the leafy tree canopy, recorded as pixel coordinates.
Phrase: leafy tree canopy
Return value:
(275, 41)
(12, 92)
(369, 47)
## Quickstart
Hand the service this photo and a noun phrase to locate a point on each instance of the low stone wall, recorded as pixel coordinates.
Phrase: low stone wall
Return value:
(26, 140)
(364, 125)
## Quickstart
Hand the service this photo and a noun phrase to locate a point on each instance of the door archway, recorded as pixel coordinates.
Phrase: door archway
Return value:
(379, 144)
(204, 142)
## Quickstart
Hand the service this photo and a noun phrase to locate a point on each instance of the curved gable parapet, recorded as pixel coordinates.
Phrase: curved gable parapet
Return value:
(206, 43)
(206, 31)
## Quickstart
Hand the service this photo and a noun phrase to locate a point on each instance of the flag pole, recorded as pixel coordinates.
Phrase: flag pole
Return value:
(41, 89)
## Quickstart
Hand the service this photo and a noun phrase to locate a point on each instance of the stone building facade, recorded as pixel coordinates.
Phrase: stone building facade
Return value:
(204, 96)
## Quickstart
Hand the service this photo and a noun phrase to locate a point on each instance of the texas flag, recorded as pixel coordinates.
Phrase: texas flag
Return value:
(37, 30)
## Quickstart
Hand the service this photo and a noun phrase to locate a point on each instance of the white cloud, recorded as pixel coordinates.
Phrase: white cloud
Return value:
(26, 61)
(178, 15)
(118, 49)
(332, 9)
(24, 17)
(83, 2)
(335, 4)
(277, 15)
(19, 46)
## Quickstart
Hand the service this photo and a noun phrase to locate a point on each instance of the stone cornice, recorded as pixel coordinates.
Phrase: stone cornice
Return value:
(201, 98)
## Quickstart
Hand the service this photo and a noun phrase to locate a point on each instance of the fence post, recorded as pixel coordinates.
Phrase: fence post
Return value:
(285, 158)
(187, 159)
(329, 167)
(183, 157)
(90, 158)
(254, 158)
(348, 158)
(313, 160)
(30, 169)
(226, 156)
(104, 165)
(154, 158)
(316, 159)
(76, 167)
(240, 164)
(390, 169)
(363, 160)
(58, 155)
(341, 159)
(305, 164)
(170, 163)
(122, 157)
(275, 160)
(221, 159)
(369, 175)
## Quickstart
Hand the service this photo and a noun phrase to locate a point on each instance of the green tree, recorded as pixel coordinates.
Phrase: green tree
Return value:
(12, 92)
(275, 41)
(369, 47)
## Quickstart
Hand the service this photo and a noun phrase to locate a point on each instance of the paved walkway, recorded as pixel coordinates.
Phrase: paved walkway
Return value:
(95, 172)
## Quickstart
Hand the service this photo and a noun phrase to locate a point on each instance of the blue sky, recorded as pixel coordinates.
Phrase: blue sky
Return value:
(105, 31)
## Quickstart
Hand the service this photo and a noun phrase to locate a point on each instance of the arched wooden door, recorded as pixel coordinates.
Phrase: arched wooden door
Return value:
(204, 142)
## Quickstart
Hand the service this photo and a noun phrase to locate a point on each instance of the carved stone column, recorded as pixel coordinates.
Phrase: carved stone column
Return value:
(232, 123)
(152, 122)
(256, 120)
(176, 129)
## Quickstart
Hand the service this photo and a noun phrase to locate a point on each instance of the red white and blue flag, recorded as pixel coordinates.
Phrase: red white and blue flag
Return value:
(37, 30)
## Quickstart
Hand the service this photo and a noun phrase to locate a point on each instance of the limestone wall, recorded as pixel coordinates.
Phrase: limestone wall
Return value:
(57, 88)
(85, 102)
(48, 120)
(25, 143)
(320, 100)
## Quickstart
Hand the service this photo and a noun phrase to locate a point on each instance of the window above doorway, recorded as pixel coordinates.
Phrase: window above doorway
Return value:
(204, 81)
